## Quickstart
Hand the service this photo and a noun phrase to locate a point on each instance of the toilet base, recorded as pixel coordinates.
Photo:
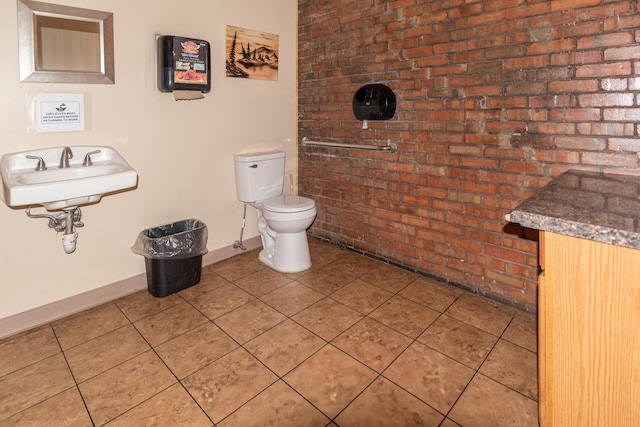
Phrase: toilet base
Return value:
(290, 253)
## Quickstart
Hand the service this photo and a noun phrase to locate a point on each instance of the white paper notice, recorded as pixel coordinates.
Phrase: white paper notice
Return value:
(59, 112)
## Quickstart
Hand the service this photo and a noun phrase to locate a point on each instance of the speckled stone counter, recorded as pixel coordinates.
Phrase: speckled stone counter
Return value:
(588, 205)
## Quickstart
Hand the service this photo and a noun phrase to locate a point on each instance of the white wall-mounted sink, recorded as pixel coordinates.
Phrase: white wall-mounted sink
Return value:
(58, 188)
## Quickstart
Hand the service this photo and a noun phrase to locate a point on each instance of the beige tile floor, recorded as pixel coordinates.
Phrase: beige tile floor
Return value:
(350, 342)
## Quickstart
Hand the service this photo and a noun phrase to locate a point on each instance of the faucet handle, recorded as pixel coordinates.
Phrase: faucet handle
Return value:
(87, 158)
(41, 166)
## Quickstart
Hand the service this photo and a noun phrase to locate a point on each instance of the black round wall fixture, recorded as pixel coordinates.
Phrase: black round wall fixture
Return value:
(374, 102)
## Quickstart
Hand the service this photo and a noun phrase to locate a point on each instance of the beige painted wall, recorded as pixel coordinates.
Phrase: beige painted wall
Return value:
(182, 151)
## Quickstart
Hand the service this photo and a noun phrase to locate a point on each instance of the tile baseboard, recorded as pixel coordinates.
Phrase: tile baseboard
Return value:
(56, 310)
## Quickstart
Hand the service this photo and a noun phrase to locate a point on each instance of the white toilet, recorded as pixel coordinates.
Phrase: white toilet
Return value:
(283, 220)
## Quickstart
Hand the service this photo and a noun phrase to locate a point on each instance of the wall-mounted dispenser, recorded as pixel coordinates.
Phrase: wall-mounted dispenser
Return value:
(183, 64)
(374, 102)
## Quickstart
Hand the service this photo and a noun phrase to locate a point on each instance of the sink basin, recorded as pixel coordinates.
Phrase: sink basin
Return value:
(59, 188)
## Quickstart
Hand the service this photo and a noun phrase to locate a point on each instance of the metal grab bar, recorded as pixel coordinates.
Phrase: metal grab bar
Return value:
(390, 147)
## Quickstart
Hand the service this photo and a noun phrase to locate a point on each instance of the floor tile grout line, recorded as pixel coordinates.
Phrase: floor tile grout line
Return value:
(248, 401)
(303, 397)
(290, 317)
(242, 345)
(73, 387)
(281, 378)
(36, 361)
(75, 381)
(178, 380)
(326, 343)
(477, 371)
(356, 397)
(196, 401)
(379, 374)
(290, 370)
(63, 352)
(333, 292)
(382, 375)
(94, 337)
(414, 341)
(501, 337)
(413, 270)
(149, 314)
(114, 366)
(150, 349)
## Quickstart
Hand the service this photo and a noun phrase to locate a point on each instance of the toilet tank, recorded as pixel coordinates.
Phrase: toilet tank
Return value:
(259, 176)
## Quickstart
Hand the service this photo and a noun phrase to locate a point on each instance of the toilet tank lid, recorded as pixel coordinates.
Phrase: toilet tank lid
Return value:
(257, 157)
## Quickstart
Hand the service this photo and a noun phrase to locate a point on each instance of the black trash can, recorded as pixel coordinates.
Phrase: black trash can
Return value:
(173, 255)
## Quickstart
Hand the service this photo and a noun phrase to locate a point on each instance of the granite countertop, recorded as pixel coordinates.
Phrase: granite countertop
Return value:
(588, 205)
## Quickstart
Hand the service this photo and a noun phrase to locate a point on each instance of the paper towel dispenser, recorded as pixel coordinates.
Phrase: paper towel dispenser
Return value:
(183, 64)
(374, 102)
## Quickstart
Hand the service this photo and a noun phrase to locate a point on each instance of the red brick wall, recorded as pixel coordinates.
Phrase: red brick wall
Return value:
(495, 98)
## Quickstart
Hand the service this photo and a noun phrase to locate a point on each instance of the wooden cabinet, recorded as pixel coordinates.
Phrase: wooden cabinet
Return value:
(589, 333)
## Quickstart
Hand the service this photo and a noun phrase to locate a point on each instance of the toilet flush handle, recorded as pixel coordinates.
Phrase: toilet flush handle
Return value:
(254, 166)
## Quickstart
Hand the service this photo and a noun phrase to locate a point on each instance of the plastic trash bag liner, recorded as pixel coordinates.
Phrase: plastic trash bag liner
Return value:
(182, 239)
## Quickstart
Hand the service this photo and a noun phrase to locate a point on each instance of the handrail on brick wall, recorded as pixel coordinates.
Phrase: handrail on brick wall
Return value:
(390, 147)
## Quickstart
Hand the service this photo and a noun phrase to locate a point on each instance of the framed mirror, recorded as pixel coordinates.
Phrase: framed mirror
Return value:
(64, 44)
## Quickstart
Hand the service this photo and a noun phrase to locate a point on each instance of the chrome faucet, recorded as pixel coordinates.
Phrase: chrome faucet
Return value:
(64, 159)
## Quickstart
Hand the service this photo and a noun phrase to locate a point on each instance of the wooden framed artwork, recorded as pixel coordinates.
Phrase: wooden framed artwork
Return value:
(251, 54)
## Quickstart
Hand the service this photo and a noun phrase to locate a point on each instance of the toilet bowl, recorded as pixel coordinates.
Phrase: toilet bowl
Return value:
(283, 220)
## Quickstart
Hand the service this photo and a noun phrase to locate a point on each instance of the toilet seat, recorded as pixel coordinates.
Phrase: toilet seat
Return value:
(288, 203)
